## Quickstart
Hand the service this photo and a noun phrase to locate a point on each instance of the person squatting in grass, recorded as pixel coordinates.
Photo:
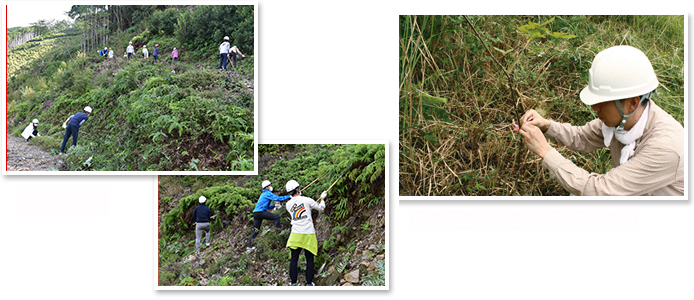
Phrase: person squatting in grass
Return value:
(646, 143)
(224, 53)
(303, 234)
(72, 126)
(260, 212)
(201, 216)
(32, 130)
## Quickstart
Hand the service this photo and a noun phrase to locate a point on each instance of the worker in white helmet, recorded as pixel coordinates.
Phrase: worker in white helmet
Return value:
(201, 216)
(646, 143)
(130, 50)
(223, 53)
(303, 235)
(72, 126)
(32, 130)
(260, 212)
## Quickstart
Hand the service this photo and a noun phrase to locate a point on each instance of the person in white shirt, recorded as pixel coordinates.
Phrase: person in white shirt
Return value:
(303, 235)
(145, 52)
(130, 50)
(223, 53)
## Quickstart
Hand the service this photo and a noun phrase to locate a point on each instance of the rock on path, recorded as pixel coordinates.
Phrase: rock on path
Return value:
(23, 156)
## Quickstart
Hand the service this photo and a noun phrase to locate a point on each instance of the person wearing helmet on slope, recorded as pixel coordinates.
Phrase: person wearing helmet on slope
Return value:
(223, 53)
(646, 143)
(32, 130)
(72, 126)
(303, 234)
(260, 212)
(233, 51)
(201, 216)
(155, 52)
(130, 50)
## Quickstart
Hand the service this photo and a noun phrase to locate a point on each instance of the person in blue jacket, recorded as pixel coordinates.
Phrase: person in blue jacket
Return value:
(201, 216)
(155, 53)
(72, 126)
(260, 212)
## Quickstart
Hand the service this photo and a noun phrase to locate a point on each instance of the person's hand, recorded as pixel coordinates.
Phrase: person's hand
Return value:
(532, 117)
(535, 140)
(324, 194)
(278, 206)
(65, 125)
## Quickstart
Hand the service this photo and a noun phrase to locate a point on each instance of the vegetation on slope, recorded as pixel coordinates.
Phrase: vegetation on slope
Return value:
(350, 232)
(183, 115)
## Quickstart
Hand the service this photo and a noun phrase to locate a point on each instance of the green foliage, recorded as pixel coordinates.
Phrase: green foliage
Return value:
(228, 199)
(203, 29)
(537, 31)
(378, 277)
(145, 116)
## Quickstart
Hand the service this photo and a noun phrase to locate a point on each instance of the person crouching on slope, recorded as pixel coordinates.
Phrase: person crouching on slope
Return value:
(32, 130)
(303, 234)
(201, 216)
(260, 212)
(72, 126)
(646, 143)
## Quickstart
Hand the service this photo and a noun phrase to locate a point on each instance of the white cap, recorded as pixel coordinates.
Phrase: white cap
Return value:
(35, 121)
(145, 46)
(265, 183)
(617, 73)
(88, 109)
(226, 38)
(202, 199)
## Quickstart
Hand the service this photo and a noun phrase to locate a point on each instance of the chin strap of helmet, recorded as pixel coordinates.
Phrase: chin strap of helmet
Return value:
(644, 97)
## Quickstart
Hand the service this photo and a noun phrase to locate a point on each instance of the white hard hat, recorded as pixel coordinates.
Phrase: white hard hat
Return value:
(292, 185)
(202, 199)
(226, 38)
(130, 43)
(88, 109)
(617, 73)
(145, 46)
(35, 121)
(265, 183)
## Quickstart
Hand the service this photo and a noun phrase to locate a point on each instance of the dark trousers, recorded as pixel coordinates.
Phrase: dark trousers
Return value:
(294, 265)
(232, 55)
(70, 130)
(258, 218)
(156, 57)
(223, 61)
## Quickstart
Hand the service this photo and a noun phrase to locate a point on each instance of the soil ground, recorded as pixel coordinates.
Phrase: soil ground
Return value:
(23, 156)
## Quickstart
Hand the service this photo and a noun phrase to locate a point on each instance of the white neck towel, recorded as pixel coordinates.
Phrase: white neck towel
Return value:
(626, 137)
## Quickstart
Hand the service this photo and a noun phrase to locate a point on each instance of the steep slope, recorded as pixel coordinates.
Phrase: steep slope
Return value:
(350, 232)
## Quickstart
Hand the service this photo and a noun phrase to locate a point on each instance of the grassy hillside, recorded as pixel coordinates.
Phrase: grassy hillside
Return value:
(457, 103)
(350, 232)
(185, 115)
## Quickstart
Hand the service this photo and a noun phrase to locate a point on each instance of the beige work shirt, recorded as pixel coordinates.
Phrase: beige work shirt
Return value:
(655, 169)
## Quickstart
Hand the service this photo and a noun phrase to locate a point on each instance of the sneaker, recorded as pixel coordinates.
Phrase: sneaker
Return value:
(249, 249)
(207, 244)
(311, 284)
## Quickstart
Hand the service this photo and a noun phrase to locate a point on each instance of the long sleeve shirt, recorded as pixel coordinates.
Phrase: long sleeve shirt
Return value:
(264, 201)
(299, 209)
(655, 169)
(202, 213)
(78, 119)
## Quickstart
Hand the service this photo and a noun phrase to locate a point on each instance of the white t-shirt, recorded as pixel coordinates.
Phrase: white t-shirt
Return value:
(131, 49)
(224, 48)
(300, 211)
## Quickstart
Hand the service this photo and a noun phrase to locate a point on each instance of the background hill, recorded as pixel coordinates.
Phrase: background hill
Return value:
(183, 115)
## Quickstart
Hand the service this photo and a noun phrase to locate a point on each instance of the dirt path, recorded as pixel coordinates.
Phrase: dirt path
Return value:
(23, 156)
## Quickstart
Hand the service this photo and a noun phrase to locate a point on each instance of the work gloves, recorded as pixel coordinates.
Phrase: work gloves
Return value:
(278, 206)
(324, 194)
